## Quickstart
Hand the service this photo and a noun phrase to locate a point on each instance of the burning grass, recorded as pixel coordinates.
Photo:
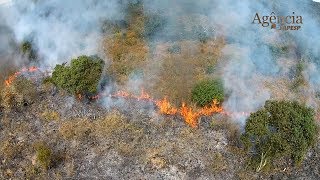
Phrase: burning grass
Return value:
(190, 115)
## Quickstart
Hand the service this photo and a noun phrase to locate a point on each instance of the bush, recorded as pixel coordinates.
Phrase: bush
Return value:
(28, 50)
(81, 77)
(20, 93)
(280, 130)
(207, 91)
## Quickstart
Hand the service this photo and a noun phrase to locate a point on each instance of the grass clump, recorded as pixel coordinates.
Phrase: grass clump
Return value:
(43, 155)
(299, 79)
(279, 130)
(204, 92)
(76, 129)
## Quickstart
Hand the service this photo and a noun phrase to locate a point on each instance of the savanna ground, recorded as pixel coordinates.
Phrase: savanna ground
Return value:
(56, 136)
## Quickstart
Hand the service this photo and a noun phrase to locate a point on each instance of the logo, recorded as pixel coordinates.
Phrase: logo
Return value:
(284, 23)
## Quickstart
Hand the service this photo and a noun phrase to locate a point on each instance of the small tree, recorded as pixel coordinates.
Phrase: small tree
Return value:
(206, 91)
(280, 129)
(81, 77)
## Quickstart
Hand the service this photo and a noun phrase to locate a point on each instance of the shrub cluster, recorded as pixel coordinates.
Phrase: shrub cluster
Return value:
(206, 91)
(280, 130)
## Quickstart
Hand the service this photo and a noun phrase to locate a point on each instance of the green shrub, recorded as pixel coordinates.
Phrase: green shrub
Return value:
(81, 77)
(207, 91)
(28, 50)
(280, 130)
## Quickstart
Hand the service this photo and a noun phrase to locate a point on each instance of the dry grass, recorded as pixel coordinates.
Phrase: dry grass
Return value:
(20, 93)
(179, 72)
(10, 149)
(231, 128)
(114, 128)
(219, 163)
(76, 129)
(50, 115)
(127, 52)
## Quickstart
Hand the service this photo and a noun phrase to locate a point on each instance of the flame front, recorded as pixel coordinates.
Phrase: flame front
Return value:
(189, 114)
(11, 78)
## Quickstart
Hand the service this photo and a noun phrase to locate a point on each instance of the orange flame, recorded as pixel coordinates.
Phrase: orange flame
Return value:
(213, 108)
(11, 78)
(144, 96)
(165, 107)
(190, 117)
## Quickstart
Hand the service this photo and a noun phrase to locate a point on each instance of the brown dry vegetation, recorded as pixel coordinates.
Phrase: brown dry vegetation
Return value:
(179, 72)
(127, 52)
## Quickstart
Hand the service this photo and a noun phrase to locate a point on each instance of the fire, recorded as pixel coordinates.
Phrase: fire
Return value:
(213, 108)
(189, 114)
(190, 117)
(144, 96)
(121, 94)
(165, 107)
(11, 78)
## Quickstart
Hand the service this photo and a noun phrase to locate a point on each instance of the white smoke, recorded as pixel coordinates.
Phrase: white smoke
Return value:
(59, 29)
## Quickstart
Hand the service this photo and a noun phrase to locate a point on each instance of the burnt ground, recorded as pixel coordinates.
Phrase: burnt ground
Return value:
(132, 142)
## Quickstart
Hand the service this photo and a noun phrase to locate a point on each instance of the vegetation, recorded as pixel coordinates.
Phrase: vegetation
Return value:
(280, 130)
(21, 92)
(298, 78)
(206, 91)
(29, 51)
(172, 53)
(126, 47)
(127, 52)
(49, 115)
(81, 77)
(44, 155)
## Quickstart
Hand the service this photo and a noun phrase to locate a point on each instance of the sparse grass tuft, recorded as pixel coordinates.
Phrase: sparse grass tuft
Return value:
(50, 115)
(44, 155)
